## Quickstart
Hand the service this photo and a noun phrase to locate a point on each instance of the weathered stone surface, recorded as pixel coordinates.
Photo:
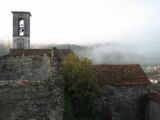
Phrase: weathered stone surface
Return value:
(21, 29)
(154, 110)
(57, 86)
(125, 102)
(24, 68)
(21, 101)
(153, 107)
(32, 99)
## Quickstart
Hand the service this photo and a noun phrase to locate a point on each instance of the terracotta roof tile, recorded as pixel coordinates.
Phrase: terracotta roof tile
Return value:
(120, 74)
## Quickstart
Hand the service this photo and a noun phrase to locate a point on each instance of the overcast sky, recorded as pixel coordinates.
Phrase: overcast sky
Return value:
(86, 21)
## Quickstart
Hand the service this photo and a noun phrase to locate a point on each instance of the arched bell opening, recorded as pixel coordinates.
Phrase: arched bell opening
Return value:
(21, 27)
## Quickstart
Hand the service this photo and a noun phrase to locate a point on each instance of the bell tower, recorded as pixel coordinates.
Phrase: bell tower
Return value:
(21, 29)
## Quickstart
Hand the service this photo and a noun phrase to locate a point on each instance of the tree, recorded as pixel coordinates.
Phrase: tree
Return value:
(80, 88)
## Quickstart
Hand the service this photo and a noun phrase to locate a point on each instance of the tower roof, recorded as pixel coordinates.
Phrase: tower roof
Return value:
(21, 12)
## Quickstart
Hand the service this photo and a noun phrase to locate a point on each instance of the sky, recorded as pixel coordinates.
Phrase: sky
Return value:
(86, 21)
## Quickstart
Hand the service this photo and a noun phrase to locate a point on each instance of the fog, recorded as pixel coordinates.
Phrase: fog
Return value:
(116, 53)
(3, 49)
(109, 53)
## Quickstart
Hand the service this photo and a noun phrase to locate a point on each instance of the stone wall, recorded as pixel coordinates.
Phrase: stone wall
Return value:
(32, 99)
(24, 67)
(57, 86)
(154, 110)
(153, 107)
(24, 100)
(125, 102)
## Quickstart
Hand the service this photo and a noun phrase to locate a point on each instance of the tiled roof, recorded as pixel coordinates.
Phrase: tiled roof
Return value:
(129, 74)
(154, 96)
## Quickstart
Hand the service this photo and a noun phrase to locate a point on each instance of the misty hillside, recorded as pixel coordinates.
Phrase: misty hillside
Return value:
(3, 50)
(111, 53)
(116, 53)
(120, 54)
